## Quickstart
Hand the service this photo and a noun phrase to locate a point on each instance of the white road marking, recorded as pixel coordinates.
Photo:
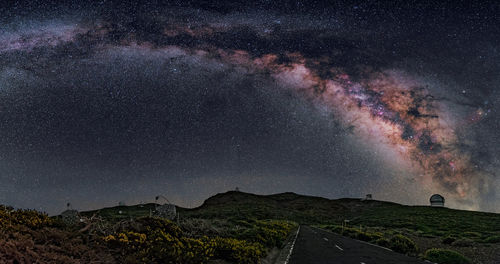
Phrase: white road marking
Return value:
(339, 248)
(291, 248)
(326, 239)
(358, 240)
(363, 263)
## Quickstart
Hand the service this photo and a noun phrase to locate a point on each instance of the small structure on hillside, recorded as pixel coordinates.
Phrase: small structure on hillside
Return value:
(367, 197)
(70, 216)
(166, 210)
(437, 200)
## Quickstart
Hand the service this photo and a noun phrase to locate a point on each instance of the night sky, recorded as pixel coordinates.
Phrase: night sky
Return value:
(105, 101)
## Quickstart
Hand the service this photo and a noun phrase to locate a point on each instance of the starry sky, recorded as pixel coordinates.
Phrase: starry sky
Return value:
(109, 101)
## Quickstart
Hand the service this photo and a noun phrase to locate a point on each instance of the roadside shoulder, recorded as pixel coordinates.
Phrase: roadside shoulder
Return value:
(286, 251)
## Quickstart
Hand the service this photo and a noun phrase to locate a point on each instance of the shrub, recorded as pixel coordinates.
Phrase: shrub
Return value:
(350, 232)
(363, 236)
(402, 244)
(20, 219)
(155, 240)
(238, 251)
(270, 233)
(24, 240)
(198, 250)
(445, 256)
(375, 236)
(383, 242)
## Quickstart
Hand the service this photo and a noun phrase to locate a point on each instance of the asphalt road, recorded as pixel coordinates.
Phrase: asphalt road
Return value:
(315, 246)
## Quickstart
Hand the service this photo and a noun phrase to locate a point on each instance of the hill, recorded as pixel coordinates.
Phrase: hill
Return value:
(318, 210)
(290, 206)
(425, 221)
(240, 205)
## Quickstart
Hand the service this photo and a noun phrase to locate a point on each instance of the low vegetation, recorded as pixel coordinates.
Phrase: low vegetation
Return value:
(28, 236)
(154, 240)
(239, 227)
(445, 256)
(402, 244)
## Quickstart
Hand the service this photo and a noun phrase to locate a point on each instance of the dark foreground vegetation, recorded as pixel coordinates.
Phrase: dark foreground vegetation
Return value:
(28, 236)
(237, 227)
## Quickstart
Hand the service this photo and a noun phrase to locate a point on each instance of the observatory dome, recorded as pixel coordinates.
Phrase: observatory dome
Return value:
(437, 200)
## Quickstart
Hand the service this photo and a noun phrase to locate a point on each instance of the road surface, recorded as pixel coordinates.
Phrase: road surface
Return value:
(315, 246)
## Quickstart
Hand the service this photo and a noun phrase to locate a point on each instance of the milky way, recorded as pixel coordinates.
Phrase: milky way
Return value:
(407, 118)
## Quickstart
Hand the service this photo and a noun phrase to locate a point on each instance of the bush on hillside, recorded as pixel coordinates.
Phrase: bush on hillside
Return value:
(402, 244)
(27, 236)
(270, 233)
(155, 240)
(238, 251)
(445, 256)
(16, 219)
(383, 242)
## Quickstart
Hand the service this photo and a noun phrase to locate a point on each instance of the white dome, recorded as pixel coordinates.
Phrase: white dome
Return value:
(437, 198)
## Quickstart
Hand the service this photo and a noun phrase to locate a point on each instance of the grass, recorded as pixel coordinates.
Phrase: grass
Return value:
(432, 222)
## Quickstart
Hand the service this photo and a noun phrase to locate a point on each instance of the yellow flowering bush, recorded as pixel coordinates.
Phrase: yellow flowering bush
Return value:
(17, 219)
(155, 240)
(142, 240)
(270, 233)
(239, 251)
(109, 238)
(198, 250)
